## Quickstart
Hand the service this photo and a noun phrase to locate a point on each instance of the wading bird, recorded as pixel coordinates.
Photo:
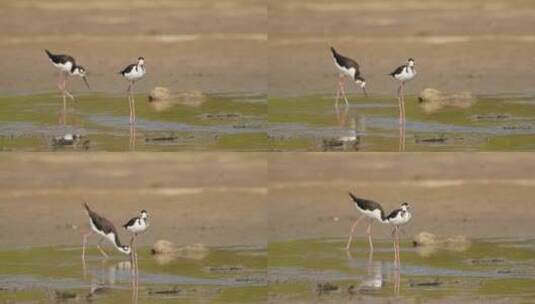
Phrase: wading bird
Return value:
(403, 73)
(397, 218)
(66, 66)
(137, 225)
(133, 72)
(105, 229)
(374, 211)
(350, 68)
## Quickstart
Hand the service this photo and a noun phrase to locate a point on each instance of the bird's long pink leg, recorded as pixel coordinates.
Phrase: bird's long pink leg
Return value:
(84, 244)
(397, 238)
(344, 93)
(397, 247)
(61, 87)
(129, 92)
(133, 109)
(65, 87)
(132, 102)
(132, 258)
(403, 101)
(337, 91)
(351, 232)
(400, 104)
(64, 112)
(395, 250)
(370, 235)
(135, 253)
(102, 250)
(129, 109)
(60, 82)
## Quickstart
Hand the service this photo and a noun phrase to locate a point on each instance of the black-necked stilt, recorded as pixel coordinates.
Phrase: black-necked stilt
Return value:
(374, 211)
(137, 225)
(403, 73)
(350, 68)
(370, 209)
(133, 72)
(67, 66)
(397, 218)
(105, 228)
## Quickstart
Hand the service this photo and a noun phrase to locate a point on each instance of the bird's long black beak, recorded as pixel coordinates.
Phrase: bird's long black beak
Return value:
(86, 83)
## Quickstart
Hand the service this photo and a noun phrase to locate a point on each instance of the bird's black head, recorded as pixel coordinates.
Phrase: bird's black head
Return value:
(81, 71)
(405, 206)
(125, 249)
(362, 83)
(141, 60)
(410, 61)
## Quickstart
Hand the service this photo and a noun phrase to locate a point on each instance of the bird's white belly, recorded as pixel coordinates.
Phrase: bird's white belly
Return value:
(94, 228)
(66, 67)
(138, 227)
(401, 219)
(375, 214)
(406, 75)
(135, 74)
(348, 72)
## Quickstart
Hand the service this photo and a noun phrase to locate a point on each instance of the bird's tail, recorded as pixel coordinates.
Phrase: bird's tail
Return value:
(357, 200)
(333, 50)
(48, 53)
(353, 196)
(86, 206)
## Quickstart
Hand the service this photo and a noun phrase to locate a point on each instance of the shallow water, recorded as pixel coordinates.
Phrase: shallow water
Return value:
(313, 123)
(297, 271)
(52, 275)
(485, 271)
(223, 122)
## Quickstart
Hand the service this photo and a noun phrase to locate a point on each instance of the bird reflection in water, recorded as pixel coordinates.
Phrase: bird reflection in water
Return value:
(350, 140)
(374, 280)
(103, 280)
(132, 143)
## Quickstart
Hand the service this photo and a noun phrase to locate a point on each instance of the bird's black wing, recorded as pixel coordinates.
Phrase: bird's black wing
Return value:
(394, 213)
(105, 225)
(131, 222)
(398, 70)
(102, 223)
(128, 69)
(345, 61)
(60, 58)
(366, 204)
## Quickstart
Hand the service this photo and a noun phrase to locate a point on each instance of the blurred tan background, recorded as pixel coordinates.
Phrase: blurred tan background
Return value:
(482, 46)
(208, 198)
(207, 45)
(473, 194)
